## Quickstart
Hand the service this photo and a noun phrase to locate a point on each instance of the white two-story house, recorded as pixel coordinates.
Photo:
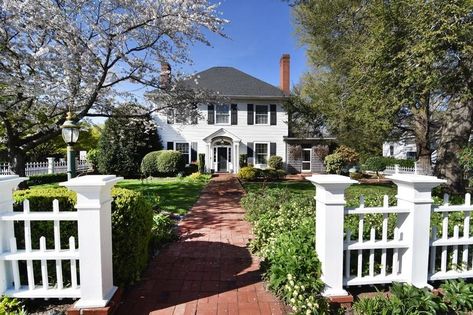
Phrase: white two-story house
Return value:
(253, 122)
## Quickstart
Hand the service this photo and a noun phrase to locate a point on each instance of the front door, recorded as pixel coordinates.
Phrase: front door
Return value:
(222, 159)
(306, 160)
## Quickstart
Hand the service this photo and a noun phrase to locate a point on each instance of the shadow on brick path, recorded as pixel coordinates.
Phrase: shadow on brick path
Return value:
(209, 270)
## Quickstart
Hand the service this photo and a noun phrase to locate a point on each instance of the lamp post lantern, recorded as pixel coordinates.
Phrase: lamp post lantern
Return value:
(70, 134)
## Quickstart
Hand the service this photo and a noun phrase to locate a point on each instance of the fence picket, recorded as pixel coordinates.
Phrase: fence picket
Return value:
(455, 247)
(372, 240)
(72, 248)
(44, 265)
(433, 250)
(360, 240)
(396, 253)
(15, 269)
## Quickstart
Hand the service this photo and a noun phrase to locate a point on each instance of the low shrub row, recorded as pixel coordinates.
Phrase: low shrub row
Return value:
(404, 299)
(133, 227)
(250, 173)
(46, 179)
(379, 163)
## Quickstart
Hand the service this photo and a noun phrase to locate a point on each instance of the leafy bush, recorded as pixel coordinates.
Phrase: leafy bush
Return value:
(334, 163)
(163, 230)
(458, 295)
(379, 163)
(275, 162)
(11, 306)
(247, 173)
(46, 179)
(243, 160)
(349, 156)
(124, 142)
(132, 219)
(149, 164)
(93, 158)
(190, 169)
(200, 177)
(201, 163)
(170, 163)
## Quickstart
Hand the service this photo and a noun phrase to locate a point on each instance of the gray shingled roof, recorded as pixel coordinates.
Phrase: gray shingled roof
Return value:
(229, 81)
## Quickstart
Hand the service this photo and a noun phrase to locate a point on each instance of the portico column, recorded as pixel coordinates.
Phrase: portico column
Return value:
(236, 160)
(209, 158)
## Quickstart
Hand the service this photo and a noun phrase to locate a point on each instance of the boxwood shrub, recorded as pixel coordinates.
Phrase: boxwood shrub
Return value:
(170, 163)
(149, 165)
(132, 219)
(46, 179)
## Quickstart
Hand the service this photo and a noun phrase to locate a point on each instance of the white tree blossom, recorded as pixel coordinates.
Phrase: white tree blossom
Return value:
(60, 55)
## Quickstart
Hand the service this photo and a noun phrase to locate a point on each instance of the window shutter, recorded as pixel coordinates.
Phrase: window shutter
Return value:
(234, 114)
(249, 152)
(272, 148)
(170, 146)
(193, 152)
(211, 115)
(251, 115)
(273, 114)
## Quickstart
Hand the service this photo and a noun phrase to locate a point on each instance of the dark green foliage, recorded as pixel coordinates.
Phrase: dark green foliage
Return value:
(243, 160)
(201, 163)
(379, 163)
(170, 163)
(191, 169)
(93, 158)
(163, 230)
(458, 295)
(247, 173)
(149, 164)
(46, 179)
(131, 227)
(124, 142)
(275, 162)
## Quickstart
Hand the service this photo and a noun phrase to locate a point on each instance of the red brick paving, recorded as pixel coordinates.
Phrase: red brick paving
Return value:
(209, 270)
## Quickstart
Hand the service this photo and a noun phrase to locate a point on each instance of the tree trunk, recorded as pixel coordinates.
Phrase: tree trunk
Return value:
(455, 133)
(17, 159)
(422, 136)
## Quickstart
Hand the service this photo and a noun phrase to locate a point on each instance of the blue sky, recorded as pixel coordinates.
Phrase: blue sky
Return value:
(259, 32)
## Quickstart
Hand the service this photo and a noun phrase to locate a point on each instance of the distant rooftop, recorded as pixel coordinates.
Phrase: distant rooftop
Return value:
(228, 81)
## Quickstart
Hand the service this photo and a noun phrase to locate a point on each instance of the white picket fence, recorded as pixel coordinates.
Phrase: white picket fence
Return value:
(403, 244)
(397, 169)
(49, 167)
(92, 282)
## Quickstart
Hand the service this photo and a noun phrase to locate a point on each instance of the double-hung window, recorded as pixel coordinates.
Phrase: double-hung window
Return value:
(184, 149)
(222, 114)
(261, 115)
(261, 153)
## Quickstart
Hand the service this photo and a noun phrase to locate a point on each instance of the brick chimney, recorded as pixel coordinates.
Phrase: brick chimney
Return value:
(165, 75)
(284, 74)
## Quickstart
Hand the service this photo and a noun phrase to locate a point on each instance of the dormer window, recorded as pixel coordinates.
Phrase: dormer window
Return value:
(222, 114)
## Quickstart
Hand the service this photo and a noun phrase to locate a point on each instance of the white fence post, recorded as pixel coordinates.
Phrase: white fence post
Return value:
(330, 204)
(415, 193)
(7, 184)
(50, 165)
(94, 204)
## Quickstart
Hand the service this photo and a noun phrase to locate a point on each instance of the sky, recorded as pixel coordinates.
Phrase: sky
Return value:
(259, 32)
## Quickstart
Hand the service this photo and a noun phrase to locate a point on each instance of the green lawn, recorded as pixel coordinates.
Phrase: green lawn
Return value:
(307, 188)
(176, 195)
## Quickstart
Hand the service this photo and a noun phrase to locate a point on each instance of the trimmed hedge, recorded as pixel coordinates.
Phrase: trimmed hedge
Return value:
(250, 173)
(46, 179)
(379, 163)
(170, 163)
(149, 164)
(132, 219)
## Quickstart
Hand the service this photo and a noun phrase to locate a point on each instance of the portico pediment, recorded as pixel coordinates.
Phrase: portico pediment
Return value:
(221, 133)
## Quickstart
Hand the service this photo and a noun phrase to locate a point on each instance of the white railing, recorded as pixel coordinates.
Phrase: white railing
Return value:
(441, 267)
(400, 246)
(93, 284)
(49, 167)
(397, 169)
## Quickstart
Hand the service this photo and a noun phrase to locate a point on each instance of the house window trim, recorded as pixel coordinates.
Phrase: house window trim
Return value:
(267, 153)
(268, 114)
(188, 162)
(229, 115)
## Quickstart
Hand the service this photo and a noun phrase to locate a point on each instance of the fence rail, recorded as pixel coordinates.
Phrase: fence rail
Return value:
(391, 242)
(397, 169)
(49, 167)
(83, 272)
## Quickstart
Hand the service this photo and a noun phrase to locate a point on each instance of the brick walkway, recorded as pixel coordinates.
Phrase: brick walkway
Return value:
(209, 270)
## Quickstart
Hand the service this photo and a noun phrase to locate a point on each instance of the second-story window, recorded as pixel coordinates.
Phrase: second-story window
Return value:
(261, 114)
(222, 114)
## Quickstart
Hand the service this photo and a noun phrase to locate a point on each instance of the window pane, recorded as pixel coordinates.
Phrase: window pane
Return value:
(184, 149)
(222, 114)
(261, 152)
(261, 114)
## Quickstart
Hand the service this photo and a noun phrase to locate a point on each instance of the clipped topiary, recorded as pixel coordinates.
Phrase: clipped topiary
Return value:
(275, 162)
(247, 173)
(149, 164)
(170, 163)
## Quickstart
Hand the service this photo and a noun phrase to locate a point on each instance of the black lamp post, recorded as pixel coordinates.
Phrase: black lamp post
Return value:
(70, 134)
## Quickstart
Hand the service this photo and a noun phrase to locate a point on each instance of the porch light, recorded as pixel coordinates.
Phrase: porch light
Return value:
(70, 134)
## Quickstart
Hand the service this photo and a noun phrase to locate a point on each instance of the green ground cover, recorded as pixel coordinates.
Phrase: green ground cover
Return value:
(172, 194)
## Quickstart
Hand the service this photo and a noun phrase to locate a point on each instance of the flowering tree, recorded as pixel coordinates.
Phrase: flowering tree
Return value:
(73, 55)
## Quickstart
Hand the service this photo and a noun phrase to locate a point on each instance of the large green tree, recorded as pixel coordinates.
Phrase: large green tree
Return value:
(391, 68)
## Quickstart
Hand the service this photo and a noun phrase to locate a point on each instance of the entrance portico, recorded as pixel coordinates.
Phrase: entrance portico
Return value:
(223, 152)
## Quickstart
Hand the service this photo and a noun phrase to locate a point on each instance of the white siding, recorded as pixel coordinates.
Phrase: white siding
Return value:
(247, 133)
(400, 149)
